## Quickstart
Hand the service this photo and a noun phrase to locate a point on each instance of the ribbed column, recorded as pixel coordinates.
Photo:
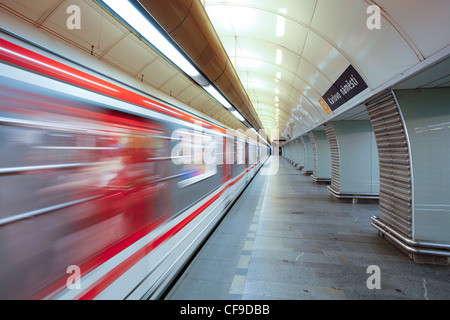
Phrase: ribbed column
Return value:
(300, 154)
(412, 130)
(322, 157)
(308, 165)
(288, 152)
(335, 159)
(395, 166)
(354, 160)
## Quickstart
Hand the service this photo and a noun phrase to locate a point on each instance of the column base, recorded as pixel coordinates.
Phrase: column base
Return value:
(418, 251)
(320, 180)
(354, 197)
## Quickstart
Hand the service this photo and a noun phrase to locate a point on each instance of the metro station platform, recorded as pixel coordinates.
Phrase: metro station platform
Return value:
(285, 238)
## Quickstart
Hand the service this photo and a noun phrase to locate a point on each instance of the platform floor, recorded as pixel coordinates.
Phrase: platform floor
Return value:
(285, 238)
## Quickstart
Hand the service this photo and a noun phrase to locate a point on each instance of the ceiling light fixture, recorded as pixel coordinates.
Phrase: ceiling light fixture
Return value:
(237, 115)
(218, 96)
(279, 56)
(136, 20)
(281, 22)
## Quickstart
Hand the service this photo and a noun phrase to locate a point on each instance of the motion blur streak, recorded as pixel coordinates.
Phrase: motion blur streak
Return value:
(83, 180)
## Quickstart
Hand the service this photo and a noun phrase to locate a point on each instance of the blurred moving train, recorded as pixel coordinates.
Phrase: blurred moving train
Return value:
(99, 193)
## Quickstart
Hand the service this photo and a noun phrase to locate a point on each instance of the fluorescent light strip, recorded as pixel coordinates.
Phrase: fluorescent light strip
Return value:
(280, 26)
(238, 115)
(281, 21)
(218, 96)
(138, 22)
(279, 56)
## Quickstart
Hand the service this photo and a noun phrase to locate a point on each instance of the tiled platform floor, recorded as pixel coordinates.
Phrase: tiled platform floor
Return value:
(285, 238)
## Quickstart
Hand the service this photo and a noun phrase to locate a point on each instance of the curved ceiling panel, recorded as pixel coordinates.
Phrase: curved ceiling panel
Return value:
(289, 53)
(265, 44)
(351, 36)
(324, 56)
(425, 24)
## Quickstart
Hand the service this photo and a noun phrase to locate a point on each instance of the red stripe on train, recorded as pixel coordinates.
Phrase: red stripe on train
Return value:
(19, 56)
(102, 283)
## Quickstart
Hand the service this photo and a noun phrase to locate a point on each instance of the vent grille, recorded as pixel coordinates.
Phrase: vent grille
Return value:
(395, 168)
(335, 161)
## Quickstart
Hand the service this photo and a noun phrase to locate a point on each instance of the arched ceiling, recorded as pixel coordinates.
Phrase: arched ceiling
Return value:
(289, 53)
